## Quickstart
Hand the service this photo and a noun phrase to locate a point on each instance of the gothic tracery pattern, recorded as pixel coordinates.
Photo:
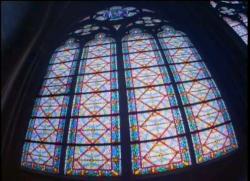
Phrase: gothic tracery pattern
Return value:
(46, 125)
(96, 101)
(173, 103)
(209, 122)
(149, 89)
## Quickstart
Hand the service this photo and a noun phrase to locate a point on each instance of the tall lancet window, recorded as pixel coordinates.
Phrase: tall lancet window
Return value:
(156, 128)
(235, 14)
(43, 141)
(93, 138)
(125, 99)
(208, 120)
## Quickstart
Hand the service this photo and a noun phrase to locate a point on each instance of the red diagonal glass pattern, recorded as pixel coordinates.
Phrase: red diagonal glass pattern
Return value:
(64, 56)
(151, 99)
(43, 157)
(61, 69)
(58, 85)
(206, 113)
(45, 129)
(189, 71)
(44, 137)
(95, 114)
(214, 142)
(198, 91)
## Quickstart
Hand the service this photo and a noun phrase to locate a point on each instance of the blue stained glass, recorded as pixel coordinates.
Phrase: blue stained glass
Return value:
(183, 55)
(160, 156)
(99, 103)
(93, 160)
(53, 106)
(97, 82)
(64, 56)
(45, 130)
(93, 130)
(198, 91)
(175, 42)
(146, 76)
(214, 142)
(155, 125)
(189, 71)
(97, 65)
(41, 157)
(145, 59)
(206, 115)
(151, 98)
(61, 69)
(59, 85)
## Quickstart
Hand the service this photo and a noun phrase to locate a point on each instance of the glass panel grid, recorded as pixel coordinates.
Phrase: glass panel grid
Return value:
(53, 106)
(182, 55)
(43, 157)
(143, 59)
(93, 130)
(97, 65)
(189, 71)
(208, 120)
(55, 86)
(100, 50)
(61, 69)
(160, 156)
(214, 142)
(146, 76)
(95, 114)
(45, 130)
(151, 98)
(64, 56)
(155, 125)
(198, 91)
(42, 148)
(99, 103)
(152, 115)
(206, 114)
(139, 46)
(97, 82)
(93, 160)
(175, 42)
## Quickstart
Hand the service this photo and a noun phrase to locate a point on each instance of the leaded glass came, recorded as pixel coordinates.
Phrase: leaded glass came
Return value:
(155, 82)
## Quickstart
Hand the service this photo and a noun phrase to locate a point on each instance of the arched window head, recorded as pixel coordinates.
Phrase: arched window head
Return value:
(134, 104)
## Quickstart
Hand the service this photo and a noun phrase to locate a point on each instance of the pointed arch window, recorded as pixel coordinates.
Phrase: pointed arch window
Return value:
(156, 128)
(94, 133)
(43, 141)
(175, 112)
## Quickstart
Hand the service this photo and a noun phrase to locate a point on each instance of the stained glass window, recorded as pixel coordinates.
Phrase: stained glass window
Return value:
(175, 112)
(115, 13)
(47, 123)
(95, 114)
(209, 122)
(148, 21)
(153, 109)
(234, 14)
